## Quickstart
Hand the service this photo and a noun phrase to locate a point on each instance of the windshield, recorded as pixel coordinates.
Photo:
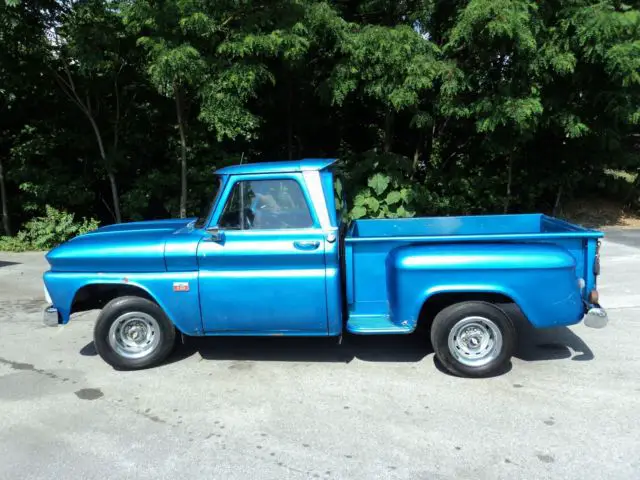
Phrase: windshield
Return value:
(207, 205)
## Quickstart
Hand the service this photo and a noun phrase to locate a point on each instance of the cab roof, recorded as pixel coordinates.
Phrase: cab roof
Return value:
(304, 165)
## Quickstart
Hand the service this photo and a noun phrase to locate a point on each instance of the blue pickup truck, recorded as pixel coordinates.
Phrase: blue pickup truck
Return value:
(275, 255)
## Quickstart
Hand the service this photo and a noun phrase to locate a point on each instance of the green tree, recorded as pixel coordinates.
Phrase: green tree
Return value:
(213, 54)
(174, 65)
(392, 66)
(21, 27)
(92, 55)
(434, 107)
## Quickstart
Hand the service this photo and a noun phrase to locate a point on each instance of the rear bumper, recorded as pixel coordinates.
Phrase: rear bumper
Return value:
(50, 316)
(595, 316)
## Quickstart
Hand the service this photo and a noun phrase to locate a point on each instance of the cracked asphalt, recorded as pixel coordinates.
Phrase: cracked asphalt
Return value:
(374, 407)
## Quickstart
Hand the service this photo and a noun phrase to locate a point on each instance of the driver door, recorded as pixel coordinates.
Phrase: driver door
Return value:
(266, 272)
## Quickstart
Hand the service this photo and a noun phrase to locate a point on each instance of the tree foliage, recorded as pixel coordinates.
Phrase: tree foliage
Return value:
(44, 233)
(123, 108)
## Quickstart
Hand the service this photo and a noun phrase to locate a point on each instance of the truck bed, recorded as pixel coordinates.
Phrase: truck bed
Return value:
(468, 228)
(369, 243)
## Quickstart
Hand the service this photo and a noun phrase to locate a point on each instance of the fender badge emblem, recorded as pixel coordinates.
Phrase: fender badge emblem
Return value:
(180, 286)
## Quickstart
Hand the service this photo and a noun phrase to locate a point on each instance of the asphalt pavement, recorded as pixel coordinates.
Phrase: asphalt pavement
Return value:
(372, 408)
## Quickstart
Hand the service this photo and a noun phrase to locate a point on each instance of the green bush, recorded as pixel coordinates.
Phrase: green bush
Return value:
(380, 186)
(14, 244)
(44, 233)
(383, 198)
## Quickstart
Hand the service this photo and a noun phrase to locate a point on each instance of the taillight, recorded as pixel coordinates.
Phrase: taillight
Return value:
(581, 284)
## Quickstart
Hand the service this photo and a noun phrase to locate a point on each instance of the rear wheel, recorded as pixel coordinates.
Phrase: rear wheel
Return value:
(473, 339)
(133, 333)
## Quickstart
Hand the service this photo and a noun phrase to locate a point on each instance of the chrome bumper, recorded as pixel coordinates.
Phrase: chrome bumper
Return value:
(596, 317)
(50, 316)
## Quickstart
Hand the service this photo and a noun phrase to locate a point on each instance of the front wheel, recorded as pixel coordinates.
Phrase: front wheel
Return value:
(133, 333)
(473, 339)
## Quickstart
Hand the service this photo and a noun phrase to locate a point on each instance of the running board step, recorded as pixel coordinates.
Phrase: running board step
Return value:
(375, 325)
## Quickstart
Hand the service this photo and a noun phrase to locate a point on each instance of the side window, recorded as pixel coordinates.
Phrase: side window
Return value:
(266, 204)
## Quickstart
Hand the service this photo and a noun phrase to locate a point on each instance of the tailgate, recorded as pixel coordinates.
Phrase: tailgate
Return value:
(583, 244)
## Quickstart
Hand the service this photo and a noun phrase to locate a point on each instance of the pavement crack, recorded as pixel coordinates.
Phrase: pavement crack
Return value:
(28, 367)
(21, 366)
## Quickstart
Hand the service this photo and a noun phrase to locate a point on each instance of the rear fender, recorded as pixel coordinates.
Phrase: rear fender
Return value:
(442, 296)
(539, 278)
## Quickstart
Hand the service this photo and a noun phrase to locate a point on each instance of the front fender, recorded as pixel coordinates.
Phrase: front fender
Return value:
(540, 278)
(182, 307)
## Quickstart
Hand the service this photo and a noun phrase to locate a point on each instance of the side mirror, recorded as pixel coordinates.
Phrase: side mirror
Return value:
(216, 235)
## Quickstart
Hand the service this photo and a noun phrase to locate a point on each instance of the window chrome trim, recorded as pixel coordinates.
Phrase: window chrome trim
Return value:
(305, 191)
(314, 185)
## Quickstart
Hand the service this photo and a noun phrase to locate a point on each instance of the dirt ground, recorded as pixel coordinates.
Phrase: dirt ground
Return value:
(600, 213)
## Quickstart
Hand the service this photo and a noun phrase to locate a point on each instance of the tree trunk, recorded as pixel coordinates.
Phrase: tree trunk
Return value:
(69, 88)
(417, 153)
(3, 199)
(507, 198)
(556, 204)
(177, 93)
(107, 164)
(629, 200)
(388, 132)
(115, 196)
(289, 119)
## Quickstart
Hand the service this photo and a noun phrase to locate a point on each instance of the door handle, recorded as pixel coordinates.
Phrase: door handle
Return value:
(306, 244)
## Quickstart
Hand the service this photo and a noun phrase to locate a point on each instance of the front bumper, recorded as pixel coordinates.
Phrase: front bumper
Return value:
(50, 316)
(595, 316)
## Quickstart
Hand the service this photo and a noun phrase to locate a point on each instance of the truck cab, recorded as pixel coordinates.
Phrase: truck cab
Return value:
(276, 255)
(273, 242)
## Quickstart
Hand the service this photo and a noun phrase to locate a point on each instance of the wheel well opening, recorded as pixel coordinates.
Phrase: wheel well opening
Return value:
(96, 296)
(436, 303)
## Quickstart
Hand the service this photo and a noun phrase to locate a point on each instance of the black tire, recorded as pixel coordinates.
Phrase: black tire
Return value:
(449, 317)
(114, 310)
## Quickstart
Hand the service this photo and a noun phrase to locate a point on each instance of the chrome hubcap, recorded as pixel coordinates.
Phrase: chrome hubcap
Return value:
(134, 335)
(475, 341)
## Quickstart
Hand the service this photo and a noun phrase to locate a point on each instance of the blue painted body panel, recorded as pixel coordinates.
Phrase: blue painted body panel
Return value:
(258, 281)
(183, 308)
(376, 277)
(128, 247)
(393, 266)
(525, 273)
